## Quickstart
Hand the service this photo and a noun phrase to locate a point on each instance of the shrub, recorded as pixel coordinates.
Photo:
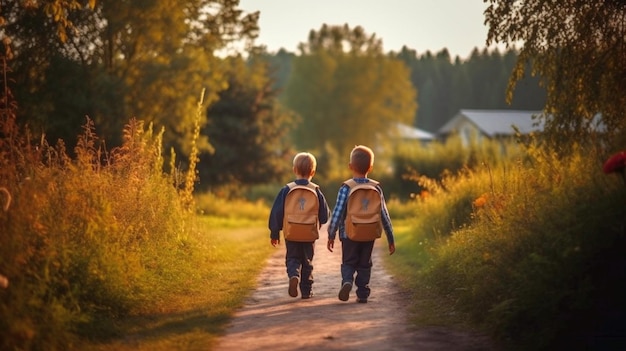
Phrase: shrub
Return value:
(538, 263)
(436, 160)
(84, 238)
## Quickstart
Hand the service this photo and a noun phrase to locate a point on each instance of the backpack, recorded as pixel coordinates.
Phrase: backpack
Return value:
(300, 222)
(363, 219)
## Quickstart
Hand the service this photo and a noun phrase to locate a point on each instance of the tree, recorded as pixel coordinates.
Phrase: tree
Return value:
(31, 33)
(248, 129)
(280, 67)
(145, 59)
(578, 48)
(445, 86)
(346, 91)
(20, 20)
(164, 50)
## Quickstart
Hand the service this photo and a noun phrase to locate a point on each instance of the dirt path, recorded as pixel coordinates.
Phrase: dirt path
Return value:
(272, 320)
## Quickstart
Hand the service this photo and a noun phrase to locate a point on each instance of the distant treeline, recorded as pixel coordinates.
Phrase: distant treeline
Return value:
(445, 85)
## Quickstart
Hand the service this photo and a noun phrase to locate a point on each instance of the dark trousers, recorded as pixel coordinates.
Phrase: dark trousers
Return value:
(299, 262)
(356, 257)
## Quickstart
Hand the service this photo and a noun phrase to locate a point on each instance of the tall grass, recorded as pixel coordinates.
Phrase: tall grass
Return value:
(531, 250)
(194, 315)
(86, 238)
(440, 158)
(230, 209)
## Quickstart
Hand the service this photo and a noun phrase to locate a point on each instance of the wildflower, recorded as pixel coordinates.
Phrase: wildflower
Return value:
(480, 201)
(616, 164)
(424, 194)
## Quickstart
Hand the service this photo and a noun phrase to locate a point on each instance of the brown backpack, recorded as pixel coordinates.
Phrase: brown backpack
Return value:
(363, 219)
(301, 221)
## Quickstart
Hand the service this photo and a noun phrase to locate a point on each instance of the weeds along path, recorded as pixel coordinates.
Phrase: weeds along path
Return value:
(272, 320)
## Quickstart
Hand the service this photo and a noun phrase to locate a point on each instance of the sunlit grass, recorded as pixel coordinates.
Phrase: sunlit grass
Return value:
(519, 248)
(222, 273)
(108, 246)
(101, 253)
(223, 208)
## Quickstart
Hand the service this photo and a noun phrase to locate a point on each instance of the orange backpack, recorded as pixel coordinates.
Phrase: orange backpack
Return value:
(363, 220)
(301, 221)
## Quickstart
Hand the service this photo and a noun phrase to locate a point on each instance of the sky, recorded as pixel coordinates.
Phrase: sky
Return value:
(422, 25)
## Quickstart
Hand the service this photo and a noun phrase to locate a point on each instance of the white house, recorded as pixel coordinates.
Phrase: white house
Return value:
(407, 132)
(491, 124)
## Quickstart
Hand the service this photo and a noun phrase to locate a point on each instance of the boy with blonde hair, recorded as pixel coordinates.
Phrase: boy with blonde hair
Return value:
(299, 210)
(360, 223)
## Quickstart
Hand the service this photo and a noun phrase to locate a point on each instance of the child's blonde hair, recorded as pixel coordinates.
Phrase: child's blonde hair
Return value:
(362, 158)
(304, 164)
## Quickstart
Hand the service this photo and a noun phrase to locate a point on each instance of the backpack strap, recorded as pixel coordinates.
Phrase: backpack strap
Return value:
(351, 183)
(310, 185)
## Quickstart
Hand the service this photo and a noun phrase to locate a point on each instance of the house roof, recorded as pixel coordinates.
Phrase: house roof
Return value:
(410, 132)
(494, 122)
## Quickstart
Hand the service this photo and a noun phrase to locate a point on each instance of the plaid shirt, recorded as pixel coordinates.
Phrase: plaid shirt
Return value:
(337, 219)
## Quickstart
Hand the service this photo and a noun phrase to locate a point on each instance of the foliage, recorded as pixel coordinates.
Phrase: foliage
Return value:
(125, 59)
(445, 85)
(578, 49)
(54, 16)
(438, 159)
(191, 173)
(280, 67)
(210, 204)
(248, 130)
(347, 91)
(84, 239)
(537, 254)
(194, 313)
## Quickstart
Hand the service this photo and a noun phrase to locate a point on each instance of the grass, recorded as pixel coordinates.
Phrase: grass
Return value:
(528, 251)
(104, 250)
(231, 210)
(193, 318)
(413, 255)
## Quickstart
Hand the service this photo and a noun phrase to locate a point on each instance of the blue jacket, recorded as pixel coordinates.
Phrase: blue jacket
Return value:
(278, 209)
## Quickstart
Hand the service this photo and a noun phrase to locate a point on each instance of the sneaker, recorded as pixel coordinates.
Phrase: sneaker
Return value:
(293, 286)
(307, 296)
(344, 292)
(361, 300)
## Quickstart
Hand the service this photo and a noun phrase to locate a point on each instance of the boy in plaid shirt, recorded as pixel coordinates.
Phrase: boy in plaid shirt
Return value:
(356, 256)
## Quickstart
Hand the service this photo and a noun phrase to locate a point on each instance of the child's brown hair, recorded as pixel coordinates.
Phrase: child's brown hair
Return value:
(304, 164)
(362, 159)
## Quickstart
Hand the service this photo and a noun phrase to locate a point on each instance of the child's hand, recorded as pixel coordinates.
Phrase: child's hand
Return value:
(392, 249)
(275, 242)
(330, 245)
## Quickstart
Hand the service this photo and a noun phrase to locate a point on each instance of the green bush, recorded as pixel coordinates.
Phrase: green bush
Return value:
(438, 159)
(83, 238)
(538, 262)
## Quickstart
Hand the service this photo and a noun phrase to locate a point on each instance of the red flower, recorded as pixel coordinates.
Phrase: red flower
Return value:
(615, 163)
